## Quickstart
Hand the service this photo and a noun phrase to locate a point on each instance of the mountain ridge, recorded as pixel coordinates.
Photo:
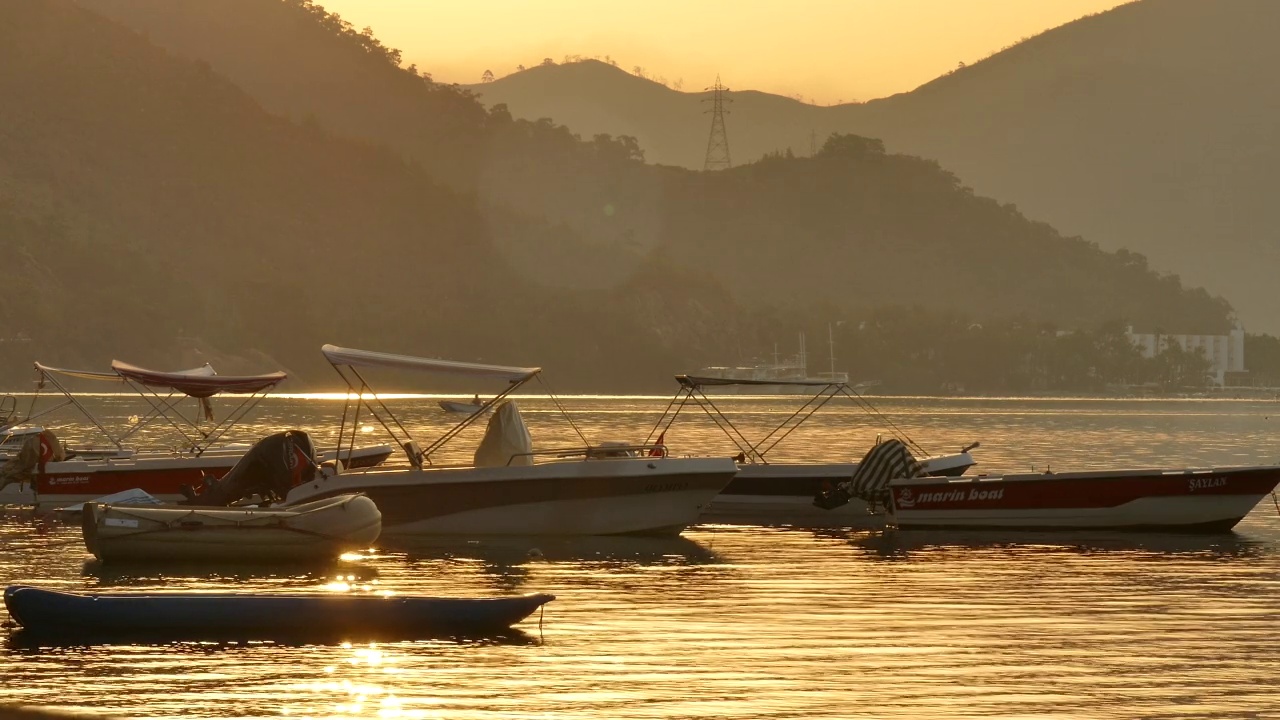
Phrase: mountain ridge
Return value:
(1147, 127)
(154, 201)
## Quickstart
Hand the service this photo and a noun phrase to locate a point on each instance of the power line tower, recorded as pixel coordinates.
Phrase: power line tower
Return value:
(718, 143)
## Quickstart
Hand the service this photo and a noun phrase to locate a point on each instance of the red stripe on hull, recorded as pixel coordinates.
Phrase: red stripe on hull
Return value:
(1078, 490)
(168, 481)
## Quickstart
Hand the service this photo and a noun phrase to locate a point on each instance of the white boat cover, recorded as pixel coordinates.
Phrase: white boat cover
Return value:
(369, 358)
(506, 440)
(198, 386)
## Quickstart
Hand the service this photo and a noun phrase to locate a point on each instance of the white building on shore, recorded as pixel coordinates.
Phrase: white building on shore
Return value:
(1225, 353)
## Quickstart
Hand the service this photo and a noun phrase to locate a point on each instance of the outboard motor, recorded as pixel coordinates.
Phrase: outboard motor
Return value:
(273, 466)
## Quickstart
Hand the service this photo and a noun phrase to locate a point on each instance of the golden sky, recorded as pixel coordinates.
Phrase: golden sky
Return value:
(825, 50)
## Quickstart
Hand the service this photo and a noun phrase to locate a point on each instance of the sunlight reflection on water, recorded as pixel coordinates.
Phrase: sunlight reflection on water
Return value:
(745, 622)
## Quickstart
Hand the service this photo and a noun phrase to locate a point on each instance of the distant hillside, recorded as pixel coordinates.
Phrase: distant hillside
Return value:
(594, 97)
(863, 228)
(1151, 127)
(150, 205)
(149, 208)
(298, 61)
(609, 208)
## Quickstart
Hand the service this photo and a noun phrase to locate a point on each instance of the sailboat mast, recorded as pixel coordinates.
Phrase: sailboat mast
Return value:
(831, 344)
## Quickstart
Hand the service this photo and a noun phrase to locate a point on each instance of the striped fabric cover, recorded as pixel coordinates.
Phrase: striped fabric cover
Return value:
(887, 461)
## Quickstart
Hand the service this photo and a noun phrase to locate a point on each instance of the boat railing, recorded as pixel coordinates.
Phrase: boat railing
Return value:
(596, 452)
(8, 409)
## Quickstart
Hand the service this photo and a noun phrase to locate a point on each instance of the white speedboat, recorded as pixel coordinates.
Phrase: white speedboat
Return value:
(458, 406)
(511, 489)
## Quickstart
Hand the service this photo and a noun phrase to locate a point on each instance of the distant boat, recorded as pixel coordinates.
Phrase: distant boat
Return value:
(791, 375)
(458, 406)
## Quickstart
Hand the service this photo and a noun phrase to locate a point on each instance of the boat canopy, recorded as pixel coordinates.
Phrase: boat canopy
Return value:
(369, 358)
(205, 370)
(693, 390)
(347, 363)
(198, 384)
(703, 381)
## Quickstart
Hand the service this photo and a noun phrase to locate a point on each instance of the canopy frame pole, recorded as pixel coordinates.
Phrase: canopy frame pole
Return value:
(683, 396)
(355, 425)
(231, 420)
(722, 421)
(875, 412)
(466, 422)
(342, 426)
(563, 412)
(153, 415)
(71, 400)
(162, 407)
(804, 412)
(360, 399)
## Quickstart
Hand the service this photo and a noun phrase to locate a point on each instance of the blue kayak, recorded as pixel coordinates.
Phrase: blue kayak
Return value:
(40, 610)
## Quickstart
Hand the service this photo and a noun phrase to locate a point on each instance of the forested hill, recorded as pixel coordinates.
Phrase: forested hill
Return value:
(1150, 127)
(869, 228)
(151, 206)
(150, 210)
(614, 209)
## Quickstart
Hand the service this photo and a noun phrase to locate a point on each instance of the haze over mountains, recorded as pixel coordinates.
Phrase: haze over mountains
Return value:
(252, 178)
(1153, 127)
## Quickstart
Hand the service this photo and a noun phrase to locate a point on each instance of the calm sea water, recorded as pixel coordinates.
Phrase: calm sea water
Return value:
(741, 622)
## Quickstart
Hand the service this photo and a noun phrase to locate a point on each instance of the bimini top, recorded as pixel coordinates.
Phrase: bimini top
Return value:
(198, 383)
(368, 358)
(205, 370)
(689, 381)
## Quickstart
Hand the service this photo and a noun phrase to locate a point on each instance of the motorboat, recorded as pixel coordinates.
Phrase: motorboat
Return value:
(509, 488)
(1178, 500)
(1182, 500)
(260, 615)
(59, 475)
(458, 406)
(789, 376)
(319, 530)
(765, 492)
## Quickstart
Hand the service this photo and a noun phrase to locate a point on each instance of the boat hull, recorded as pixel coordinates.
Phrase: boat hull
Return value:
(454, 406)
(1212, 500)
(81, 480)
(756, 390)
(639, 496)
(782, 494)
(318, 531)
(41, 610)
